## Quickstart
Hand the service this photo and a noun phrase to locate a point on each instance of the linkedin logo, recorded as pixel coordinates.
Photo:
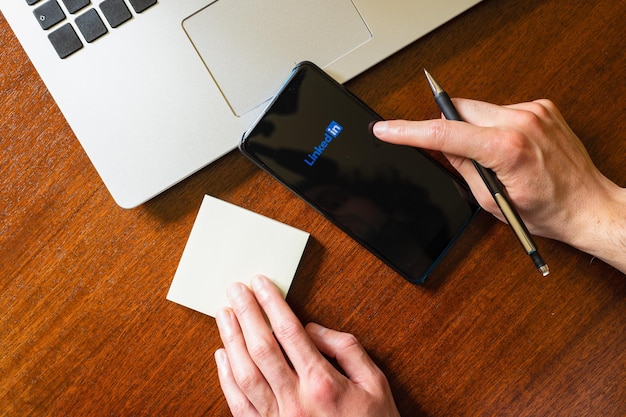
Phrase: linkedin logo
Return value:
(332, 131)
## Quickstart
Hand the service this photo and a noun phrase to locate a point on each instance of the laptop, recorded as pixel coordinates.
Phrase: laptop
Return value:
(157, 89)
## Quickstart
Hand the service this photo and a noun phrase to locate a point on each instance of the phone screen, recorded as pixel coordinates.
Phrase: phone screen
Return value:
(315, 138)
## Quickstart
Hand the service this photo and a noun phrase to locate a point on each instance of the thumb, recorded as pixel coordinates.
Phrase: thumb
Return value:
(346, 349)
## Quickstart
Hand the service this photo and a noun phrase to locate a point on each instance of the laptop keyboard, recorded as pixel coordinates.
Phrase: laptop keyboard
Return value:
(89, 21)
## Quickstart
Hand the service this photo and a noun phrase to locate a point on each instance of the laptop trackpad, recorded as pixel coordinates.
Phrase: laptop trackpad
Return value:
(251, 46)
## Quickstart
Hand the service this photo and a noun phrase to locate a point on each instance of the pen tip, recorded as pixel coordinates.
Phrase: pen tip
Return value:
(434, 85)
(545, 271)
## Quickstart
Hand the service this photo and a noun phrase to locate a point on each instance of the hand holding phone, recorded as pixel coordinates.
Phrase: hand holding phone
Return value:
(315, 138)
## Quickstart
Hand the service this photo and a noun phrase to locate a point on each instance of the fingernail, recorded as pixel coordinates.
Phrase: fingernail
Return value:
(233, 291)
(317, 329)
(224, 321)
(380, 128)
(258, 282)
(260, 286)
(220, 357)
(221, 360)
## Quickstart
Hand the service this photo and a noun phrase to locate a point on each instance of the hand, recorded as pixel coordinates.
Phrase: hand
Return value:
(258, 380)
(544, 167)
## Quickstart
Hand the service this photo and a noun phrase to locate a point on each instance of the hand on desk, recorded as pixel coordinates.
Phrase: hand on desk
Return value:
(549, 176)
(544, 167)
(258, 380)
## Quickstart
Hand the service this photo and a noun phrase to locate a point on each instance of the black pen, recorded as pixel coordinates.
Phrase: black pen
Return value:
(494, 186)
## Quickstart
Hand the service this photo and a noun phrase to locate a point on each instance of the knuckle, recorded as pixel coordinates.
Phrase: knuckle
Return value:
(248, 381)
(380, 379)
(538, 115)
(541, 111)
(326, 390)
(287, 331)
(229, 339)
(261, 349)
(515, 140)
(242, 308)
(518, 146)
(531, 118)
(240, 408)
(347, 341)
(546, 104)
(401, 129)
(439, 131)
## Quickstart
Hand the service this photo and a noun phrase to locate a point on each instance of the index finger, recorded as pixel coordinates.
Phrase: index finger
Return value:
(485, 135)
(288, 330)
(449, 137)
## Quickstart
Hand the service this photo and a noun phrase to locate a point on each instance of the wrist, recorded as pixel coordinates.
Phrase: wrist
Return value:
(601, 225)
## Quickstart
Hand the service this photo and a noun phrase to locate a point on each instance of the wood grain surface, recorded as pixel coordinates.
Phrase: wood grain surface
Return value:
(85, 329)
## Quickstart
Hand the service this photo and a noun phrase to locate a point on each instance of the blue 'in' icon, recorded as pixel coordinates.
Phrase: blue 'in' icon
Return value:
(334, 129)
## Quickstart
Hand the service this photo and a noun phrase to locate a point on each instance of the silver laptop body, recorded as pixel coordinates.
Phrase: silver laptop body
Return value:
(157, 89)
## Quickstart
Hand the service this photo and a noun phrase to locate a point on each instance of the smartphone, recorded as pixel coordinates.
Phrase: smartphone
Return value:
(316, 138)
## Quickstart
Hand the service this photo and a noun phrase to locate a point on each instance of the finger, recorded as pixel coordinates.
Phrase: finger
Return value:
(484, 114)
(450, 137)
(237, 401)
(537, 106)
(246, 374)
(348, 352)
(519, 116)
(459, 138)
(460, 142)
(545, 112)
(480, 113)
(261, 346)
(287, 328)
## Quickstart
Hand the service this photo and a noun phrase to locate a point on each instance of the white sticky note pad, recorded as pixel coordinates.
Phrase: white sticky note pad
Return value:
(231, 244)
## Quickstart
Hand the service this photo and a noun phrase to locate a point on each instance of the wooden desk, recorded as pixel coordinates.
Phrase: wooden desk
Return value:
(85, 328)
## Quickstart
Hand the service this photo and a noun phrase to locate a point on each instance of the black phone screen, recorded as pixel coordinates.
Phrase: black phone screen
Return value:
(315, 138)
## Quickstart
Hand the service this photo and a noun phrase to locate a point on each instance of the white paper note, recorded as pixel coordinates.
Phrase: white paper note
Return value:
(231, 244)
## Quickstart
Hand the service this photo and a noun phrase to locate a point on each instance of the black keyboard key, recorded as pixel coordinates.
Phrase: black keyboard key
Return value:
(49, 14)
(65, 40)
(141, 5)
(75, 5)
(115, 12)
(90, 25)
(31, 2)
